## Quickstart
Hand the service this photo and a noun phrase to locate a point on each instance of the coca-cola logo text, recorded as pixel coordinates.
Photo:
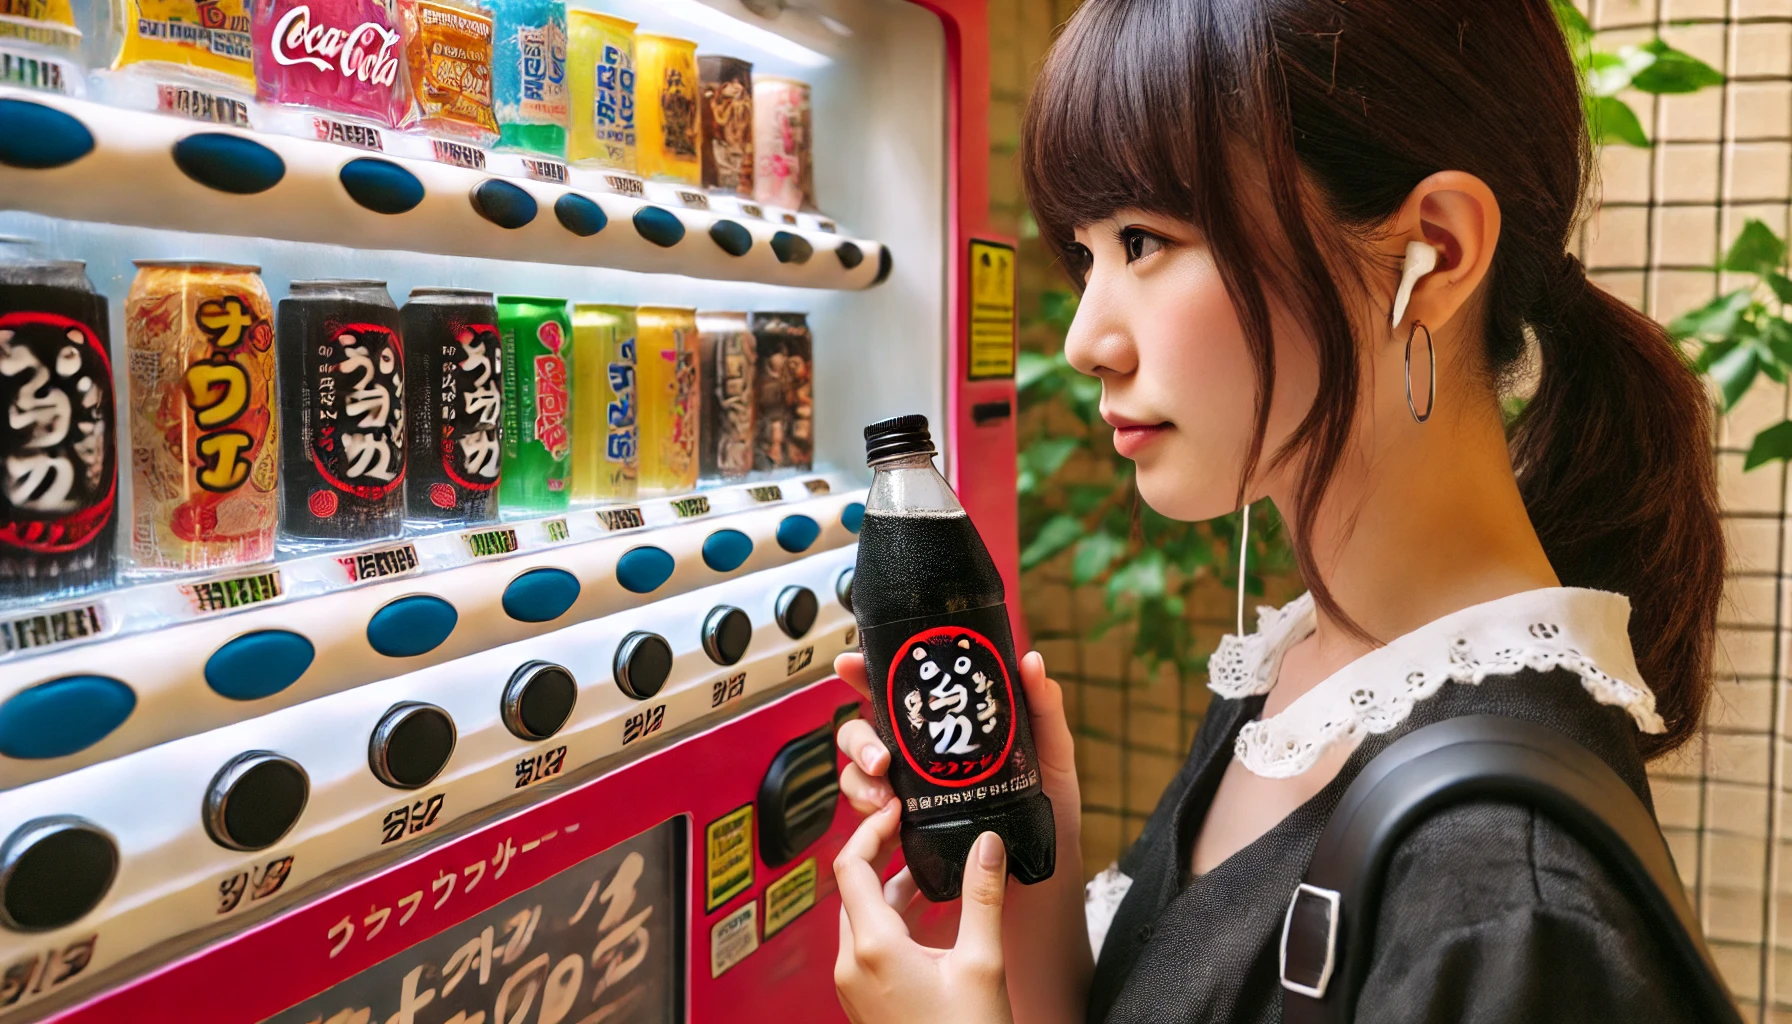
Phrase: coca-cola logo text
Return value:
(365, 53)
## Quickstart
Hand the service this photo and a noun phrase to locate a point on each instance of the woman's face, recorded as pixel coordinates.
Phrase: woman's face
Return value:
(1178, 383)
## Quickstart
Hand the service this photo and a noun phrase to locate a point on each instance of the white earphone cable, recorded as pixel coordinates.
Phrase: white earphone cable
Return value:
(1244, 550)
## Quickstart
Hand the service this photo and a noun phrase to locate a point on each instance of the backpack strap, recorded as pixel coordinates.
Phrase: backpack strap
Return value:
(1328, 932)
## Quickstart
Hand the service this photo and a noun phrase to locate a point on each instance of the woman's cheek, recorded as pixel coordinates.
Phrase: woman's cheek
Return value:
(1201, 377)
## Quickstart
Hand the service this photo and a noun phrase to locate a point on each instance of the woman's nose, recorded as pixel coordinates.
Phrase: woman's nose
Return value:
(1098, 342)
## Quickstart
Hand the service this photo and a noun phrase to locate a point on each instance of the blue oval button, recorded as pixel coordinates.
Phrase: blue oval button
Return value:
(796, 533)
(411, 626)
(381, 185)
(733, 239)
(643, 569)
(661, 227)
(504, 204)
(853, 516)
(727, 550)
(259, 664)
(579, 215)
(37, 137)
(792, 248)
(540, 595)
(229, 163)
(63, 716)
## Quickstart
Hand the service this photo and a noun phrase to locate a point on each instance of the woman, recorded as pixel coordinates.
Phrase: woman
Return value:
(1317, 242)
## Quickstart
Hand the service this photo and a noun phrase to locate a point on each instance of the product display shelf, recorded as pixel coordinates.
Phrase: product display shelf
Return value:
(321, 625)
(173, 879)
(67, 157)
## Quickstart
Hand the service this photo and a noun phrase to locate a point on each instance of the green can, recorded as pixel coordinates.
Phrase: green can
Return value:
(537, 404)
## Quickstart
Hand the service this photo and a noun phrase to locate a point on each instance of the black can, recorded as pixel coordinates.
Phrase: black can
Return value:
(784, 386)
(342, 380)
(454, 380)
(59, 436)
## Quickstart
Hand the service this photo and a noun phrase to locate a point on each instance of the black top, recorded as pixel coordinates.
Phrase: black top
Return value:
(1490, 912)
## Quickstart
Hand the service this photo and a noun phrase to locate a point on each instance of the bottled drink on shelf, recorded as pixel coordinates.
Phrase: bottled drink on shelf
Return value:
(58, 514)
(299, 58)
(727, 98)
(529, 75)
(783, 146)
(342, 395)
(454, 397)
(666, 110)
(601, 66)
(945, 686)
(784, 406)
(537, 404)
(667, 383)
(205, 462)
(605, 457)
(727, 366)
(448, 51)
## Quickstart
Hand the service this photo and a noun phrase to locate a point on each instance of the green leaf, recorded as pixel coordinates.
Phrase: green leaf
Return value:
(1771, 445)
(1756, 251)
(1048, 454)
(1086, 498)
(1032, 367)
(1058, 533)
(1609, 74)
(1674, 71)
(1614, 121)
(1574, 24)
(1084, 394)
(1735, 371)
(1057, 308)
(1094, 553)
(1782, 287)
(1776, 334)
(1715, 319)
(1143, 577)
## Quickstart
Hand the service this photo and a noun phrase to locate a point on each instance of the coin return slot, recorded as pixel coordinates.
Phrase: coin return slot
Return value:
(411, 745)
(797, 797)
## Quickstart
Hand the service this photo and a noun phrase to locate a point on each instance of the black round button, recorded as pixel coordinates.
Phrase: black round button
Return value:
(254, 800)
(843, 589)
(726, 633)
(643, 661)
(53, 871)
(538, 700)
(411, 745)
(796, 610)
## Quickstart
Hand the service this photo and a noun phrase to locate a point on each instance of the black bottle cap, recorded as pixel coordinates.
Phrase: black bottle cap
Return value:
(896, 437)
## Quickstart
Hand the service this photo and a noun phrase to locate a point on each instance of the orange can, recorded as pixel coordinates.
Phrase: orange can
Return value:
(204, 444)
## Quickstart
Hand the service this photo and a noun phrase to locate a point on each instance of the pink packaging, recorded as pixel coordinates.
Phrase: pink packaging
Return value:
(343, 56)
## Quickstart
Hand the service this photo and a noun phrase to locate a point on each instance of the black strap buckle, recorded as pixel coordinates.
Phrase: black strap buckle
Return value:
(1310, 940)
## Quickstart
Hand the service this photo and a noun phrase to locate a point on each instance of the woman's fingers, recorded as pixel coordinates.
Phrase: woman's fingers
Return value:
(851, 667)
(864, 793)
(1045, 708)
(979, 946)
(900, 890)
(859, 741)
(876, 929)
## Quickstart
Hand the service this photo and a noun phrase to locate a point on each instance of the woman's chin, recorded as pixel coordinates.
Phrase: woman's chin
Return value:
(1184, 496)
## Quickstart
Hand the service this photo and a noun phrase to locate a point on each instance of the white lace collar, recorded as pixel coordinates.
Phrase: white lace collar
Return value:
(1583, 631)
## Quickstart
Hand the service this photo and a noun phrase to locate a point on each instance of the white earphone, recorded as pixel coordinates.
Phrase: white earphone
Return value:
(1421, 259)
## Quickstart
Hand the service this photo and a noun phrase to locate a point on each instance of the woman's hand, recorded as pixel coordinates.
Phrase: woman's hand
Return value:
(882, 974)
(1047, 940)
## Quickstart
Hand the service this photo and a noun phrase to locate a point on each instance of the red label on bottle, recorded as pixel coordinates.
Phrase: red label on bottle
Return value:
(951, 705)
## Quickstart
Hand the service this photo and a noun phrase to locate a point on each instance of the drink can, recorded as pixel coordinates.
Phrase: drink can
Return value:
(667, 388)
(529, 75)
(785, 407)
(727, 95)
(60, 435)
(601, 61)
(783, 146)
(454, 401)
(342, 395)
(448, 48)
(299, 57)
(727, 365)
(537, 404)
(205, 457)
(666, 109)
(605, 457)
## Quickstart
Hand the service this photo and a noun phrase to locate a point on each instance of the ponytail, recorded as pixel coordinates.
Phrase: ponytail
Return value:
(1614, 461)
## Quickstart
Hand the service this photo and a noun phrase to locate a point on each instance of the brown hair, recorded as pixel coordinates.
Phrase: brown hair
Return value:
(1336, 111)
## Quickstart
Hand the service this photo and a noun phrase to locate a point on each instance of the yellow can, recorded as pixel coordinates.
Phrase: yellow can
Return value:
(604, 429)
(669, 393)
(204, 423)
(666, 109)
(601, 63)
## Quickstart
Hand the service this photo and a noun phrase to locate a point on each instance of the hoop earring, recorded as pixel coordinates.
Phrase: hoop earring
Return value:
(1431, 354)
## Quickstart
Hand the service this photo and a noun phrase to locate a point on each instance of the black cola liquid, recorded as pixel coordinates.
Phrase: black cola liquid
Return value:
(947, 694)
(59, 435)
(341, 370)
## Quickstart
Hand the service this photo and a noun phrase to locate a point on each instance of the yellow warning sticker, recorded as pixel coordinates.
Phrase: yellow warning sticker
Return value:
(732, 938)
(728, 856)
(788, 897)
(992, 311)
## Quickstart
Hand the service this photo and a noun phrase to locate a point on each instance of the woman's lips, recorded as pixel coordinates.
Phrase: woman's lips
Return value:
(1130, 440)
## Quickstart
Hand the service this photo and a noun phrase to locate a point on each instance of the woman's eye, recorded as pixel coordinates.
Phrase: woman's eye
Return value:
(1078, 260)
(1139, 243)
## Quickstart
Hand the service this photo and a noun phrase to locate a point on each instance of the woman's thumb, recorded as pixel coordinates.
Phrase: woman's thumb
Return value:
(980, 913)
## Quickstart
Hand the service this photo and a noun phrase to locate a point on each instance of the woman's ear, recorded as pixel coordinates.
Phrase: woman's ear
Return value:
(1457, 215)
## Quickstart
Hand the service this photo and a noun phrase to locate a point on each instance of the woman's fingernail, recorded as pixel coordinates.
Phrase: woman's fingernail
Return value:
(989, 850)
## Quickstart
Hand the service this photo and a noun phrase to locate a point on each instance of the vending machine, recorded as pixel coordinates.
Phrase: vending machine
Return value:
(432, 466)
